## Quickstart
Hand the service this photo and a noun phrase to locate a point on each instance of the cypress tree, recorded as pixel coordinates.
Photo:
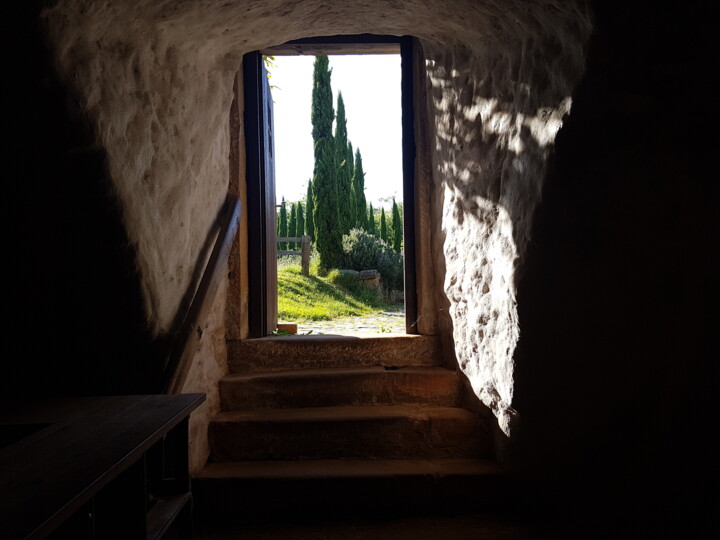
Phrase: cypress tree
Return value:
(358, 182)
(327, 233)
(346, 210)
(328, 238)
(396, 228)
(310, 207)
(292, 225)
(283, 229)
(321, 113)
(359, 213)
(372, 229)
(300, 219)
(383, 226)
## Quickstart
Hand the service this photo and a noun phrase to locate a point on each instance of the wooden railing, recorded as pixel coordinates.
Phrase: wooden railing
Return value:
(180, 358)
(304, 252)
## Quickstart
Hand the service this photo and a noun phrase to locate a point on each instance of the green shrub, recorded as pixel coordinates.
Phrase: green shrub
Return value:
(390, 266)
(369, 296)
(364, 251)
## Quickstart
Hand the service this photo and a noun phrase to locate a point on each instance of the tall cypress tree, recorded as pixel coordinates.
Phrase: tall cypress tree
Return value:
(283, 223)
(346, 211)
(358, 182)
(383, 226)
(292, 225)
(396, 228)
(310, 207)
(372, 229)
(328, 238)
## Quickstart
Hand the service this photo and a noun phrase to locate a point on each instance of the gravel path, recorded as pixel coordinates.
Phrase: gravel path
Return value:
(384, 322)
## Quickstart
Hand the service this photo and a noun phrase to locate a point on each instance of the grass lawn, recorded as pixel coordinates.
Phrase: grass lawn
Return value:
(313, 298)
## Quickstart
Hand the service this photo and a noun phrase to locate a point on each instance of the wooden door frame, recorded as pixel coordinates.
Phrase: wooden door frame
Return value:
(255, 169)
(259, 275)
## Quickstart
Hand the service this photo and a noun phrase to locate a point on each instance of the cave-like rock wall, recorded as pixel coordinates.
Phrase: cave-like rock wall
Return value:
(497, 108)
(155, 78)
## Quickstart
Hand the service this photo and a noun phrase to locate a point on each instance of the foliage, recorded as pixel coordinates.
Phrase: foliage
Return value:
(397, 228)
(364, 251)
(383, 226)
(349, 283)
(300, 220)
(292, 225)
(372, 229)
(321, 114)
(309, 222)
(328, 238)
(269, 66)
(343, 171)
(327, 233)
(283, 225)
(358, 183)
(390, 266)
(283, 261)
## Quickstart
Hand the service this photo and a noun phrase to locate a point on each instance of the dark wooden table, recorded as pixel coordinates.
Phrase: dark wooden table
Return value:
(96, 467)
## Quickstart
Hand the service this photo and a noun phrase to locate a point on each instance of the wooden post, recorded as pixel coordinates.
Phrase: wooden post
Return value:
(305, 255)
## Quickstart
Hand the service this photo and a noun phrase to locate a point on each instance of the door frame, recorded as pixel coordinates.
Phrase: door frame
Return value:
(262, 269)
(260, 275)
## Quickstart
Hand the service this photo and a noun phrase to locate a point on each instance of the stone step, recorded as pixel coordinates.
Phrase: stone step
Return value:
(278, 490)
(309, 352)
(351, 432)
(339, 386)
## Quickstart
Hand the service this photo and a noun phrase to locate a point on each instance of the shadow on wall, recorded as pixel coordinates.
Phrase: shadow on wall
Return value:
(73, 309)
(615, 369)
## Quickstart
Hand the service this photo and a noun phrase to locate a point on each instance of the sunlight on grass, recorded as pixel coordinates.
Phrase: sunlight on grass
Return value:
(312, 298)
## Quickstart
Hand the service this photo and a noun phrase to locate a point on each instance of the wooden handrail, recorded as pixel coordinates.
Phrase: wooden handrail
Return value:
(179, 361)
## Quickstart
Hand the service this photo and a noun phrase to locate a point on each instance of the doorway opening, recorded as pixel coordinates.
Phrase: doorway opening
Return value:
(332, 121)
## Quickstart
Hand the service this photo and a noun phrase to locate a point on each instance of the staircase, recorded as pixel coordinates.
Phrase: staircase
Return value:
(338, 425)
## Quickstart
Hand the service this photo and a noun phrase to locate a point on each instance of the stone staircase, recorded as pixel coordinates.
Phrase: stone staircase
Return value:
(336, 425)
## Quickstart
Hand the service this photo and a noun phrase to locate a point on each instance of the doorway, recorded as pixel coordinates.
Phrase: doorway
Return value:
(260, 160)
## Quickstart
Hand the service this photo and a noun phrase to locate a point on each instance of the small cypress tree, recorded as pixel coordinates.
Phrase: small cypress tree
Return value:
(283, 229)
(396, 228)
(372, 229)
(300, 219)
(310, 207)
(358, 182)
(292, 225)
(383, 226)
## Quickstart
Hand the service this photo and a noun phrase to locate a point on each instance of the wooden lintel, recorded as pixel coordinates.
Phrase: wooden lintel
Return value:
(317, 49)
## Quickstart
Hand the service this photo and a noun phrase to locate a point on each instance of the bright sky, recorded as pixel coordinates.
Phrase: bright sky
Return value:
(370, 85)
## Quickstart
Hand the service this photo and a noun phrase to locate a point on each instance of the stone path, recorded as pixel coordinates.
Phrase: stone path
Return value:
(380, 323)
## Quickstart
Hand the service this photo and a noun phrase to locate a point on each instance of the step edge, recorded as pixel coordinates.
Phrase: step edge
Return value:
(352, 413)
(339, 371)
(351, 468)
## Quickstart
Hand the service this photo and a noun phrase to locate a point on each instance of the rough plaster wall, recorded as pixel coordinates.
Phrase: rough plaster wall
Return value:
(161, 114)
(497, 108)
(210, 365)
(156, 79)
